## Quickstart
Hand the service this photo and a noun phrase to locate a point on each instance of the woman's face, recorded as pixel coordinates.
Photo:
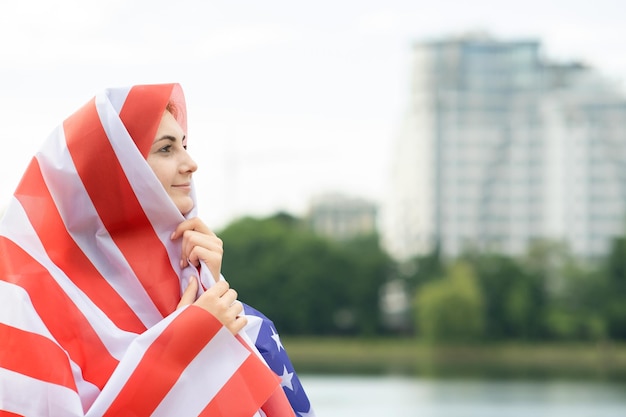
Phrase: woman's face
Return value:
(171, 163)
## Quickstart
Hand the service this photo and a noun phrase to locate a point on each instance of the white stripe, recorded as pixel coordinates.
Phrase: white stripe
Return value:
(211, 369)
(114, 339)
(158, 206)
(27, 396)
(88, 392)
(117, 97)
(253, 327)
(87, 230)
(13, 296)
(129, 362)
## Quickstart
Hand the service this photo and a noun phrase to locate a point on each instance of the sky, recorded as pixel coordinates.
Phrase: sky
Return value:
(286, 99)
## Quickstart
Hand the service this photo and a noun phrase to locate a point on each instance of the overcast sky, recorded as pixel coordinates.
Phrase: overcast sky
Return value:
(286, 99)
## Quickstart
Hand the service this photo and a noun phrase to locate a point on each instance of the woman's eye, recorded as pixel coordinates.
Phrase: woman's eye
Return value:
(166, 148)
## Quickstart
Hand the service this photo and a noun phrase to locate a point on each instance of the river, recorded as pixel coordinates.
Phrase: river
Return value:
(342, 396)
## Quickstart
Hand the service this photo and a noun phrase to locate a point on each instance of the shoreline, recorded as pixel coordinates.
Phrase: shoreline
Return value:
(409, 356)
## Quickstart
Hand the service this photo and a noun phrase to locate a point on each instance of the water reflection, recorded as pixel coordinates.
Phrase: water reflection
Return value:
(335, 396)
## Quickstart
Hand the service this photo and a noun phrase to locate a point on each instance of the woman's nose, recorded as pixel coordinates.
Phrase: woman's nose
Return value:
(189, 165)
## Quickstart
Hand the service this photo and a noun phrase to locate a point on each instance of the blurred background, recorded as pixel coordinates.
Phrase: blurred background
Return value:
(428, 199)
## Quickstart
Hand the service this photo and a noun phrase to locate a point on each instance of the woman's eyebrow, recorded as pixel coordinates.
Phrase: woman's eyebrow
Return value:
(165, 137)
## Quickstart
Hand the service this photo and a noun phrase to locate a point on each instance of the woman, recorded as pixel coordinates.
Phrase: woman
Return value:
(109, 303)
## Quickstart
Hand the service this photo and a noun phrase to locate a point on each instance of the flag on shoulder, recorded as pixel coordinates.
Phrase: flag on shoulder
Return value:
(267, 341)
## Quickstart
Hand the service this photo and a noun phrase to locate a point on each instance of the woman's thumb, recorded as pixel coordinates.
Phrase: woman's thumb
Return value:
(189, 296)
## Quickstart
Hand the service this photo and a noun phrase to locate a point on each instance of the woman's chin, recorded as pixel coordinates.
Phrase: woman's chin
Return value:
(185, 206)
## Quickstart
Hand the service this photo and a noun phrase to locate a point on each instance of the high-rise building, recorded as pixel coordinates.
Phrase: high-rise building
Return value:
(340, 217)
(500, 146)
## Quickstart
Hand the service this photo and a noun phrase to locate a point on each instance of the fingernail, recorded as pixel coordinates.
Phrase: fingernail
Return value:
(182, 264)
(172, 235)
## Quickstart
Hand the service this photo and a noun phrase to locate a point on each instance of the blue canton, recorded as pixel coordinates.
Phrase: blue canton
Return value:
(269, 345)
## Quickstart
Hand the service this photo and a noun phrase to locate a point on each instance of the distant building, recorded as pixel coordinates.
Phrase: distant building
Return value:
(501, 146)
(342, 217)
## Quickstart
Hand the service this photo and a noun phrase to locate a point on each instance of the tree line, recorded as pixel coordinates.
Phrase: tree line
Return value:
(312, 285)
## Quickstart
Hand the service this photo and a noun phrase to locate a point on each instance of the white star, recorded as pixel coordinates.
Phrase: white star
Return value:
(276, 338)
(286, 378)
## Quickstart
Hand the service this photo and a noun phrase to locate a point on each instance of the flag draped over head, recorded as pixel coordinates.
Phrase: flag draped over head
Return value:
(90, 281)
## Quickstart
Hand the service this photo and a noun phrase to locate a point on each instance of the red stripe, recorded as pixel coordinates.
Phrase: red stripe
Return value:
(9, 414)
(245, 392)
(142, 112)
(119, 208)
(67, 255)
(278, 405)
(164, 361)
(35, 356)
(64, 320)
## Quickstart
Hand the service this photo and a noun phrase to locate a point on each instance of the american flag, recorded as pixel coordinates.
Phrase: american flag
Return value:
(271, 348)
(90, 281)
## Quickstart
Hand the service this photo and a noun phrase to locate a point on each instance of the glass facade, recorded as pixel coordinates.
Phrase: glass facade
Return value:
(500, 147)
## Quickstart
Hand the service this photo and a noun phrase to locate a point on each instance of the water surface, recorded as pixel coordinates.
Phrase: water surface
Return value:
(365, 396)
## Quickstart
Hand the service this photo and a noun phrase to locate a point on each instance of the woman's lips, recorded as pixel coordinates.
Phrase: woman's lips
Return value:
(186, 186)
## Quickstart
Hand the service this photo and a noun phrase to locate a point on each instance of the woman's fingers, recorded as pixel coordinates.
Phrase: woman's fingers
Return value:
(198, 246)
(190, 224)
(221, 301)
(220, 295)
(199, 243)
(237, 324)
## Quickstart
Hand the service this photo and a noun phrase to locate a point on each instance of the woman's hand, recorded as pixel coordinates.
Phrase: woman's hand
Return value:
(219, 300)
(200, 243)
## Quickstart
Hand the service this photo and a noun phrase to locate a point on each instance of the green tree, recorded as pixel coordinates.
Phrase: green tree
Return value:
(421, 269)
(305, 283)
(513, 296)
(572, 292)
(370, 267)
(451, 309)
(614, 295)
